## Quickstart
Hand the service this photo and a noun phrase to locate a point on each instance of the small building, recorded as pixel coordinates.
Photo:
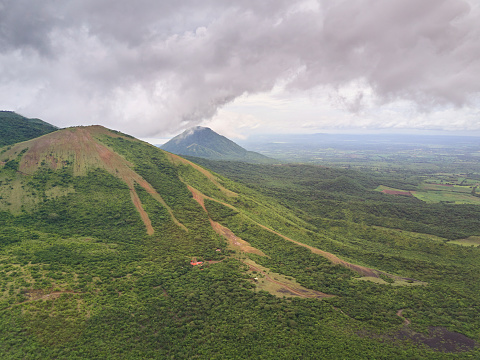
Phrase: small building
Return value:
(194, 262)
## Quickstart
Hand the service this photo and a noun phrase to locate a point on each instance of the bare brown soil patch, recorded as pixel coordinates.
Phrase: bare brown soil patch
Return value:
(143, 214)
(438, 338)
(395, 192)
(234, 241)
(34, 295)
(198, 197)
(362, 270)
(119, 167)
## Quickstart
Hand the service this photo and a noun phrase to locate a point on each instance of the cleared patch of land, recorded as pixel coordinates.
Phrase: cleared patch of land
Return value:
(391, 191)
(279, 285)
(470, 241)
(33, 295)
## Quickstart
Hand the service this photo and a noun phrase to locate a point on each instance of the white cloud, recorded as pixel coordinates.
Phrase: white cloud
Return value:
(153, 68)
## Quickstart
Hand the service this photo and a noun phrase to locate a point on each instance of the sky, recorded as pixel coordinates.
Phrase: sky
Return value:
(153, 68)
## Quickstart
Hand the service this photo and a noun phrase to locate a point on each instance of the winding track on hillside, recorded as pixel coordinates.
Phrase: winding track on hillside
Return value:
(362, 270)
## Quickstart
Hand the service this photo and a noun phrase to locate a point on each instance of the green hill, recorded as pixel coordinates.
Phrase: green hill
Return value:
(113, 248)
(317, 193)
(205, 143)
(16, 128)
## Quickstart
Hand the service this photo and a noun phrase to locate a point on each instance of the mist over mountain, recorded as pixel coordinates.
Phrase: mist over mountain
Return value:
(205, 143)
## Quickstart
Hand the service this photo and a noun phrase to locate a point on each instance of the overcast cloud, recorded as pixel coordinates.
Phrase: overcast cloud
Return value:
(153, 68)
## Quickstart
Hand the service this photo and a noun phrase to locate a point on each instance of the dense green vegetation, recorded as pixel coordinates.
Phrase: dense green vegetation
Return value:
(81, 279)
(15, 128)
(318, 193)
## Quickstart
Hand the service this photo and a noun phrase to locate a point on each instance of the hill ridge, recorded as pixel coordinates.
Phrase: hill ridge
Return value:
(16, 128)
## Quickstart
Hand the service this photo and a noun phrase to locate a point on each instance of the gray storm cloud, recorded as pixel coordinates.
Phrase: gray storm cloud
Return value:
(155, 67)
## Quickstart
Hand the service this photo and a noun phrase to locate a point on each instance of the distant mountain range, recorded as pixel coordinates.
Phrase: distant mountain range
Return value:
(16, 128)
(203, 142)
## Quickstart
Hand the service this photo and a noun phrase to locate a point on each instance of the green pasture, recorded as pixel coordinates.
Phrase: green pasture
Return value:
(470, 241)
(438, 193)
(431, 193)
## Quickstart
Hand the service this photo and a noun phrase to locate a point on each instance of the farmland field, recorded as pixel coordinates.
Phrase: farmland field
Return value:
(470, 241)
(446, 196)
(434, 190)
(449, 188)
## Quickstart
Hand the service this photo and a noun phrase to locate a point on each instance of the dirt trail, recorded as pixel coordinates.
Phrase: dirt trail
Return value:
(198, 197)
(243, 246)
(177, 159)
(365, 271)
(119, 167)
(143, 214)
(235, 241)
(362, 270)
(406, 322)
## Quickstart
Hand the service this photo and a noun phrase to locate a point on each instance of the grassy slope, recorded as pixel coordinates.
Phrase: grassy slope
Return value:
(80, 277)
(319, 193)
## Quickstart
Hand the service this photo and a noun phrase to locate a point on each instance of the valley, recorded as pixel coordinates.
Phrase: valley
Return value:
(98, 231)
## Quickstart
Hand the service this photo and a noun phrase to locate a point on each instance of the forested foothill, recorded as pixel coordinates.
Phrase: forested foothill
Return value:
(99, 231)
(15, 128)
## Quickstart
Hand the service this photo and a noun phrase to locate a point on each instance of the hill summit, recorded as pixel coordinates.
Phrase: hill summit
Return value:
(205, 143)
